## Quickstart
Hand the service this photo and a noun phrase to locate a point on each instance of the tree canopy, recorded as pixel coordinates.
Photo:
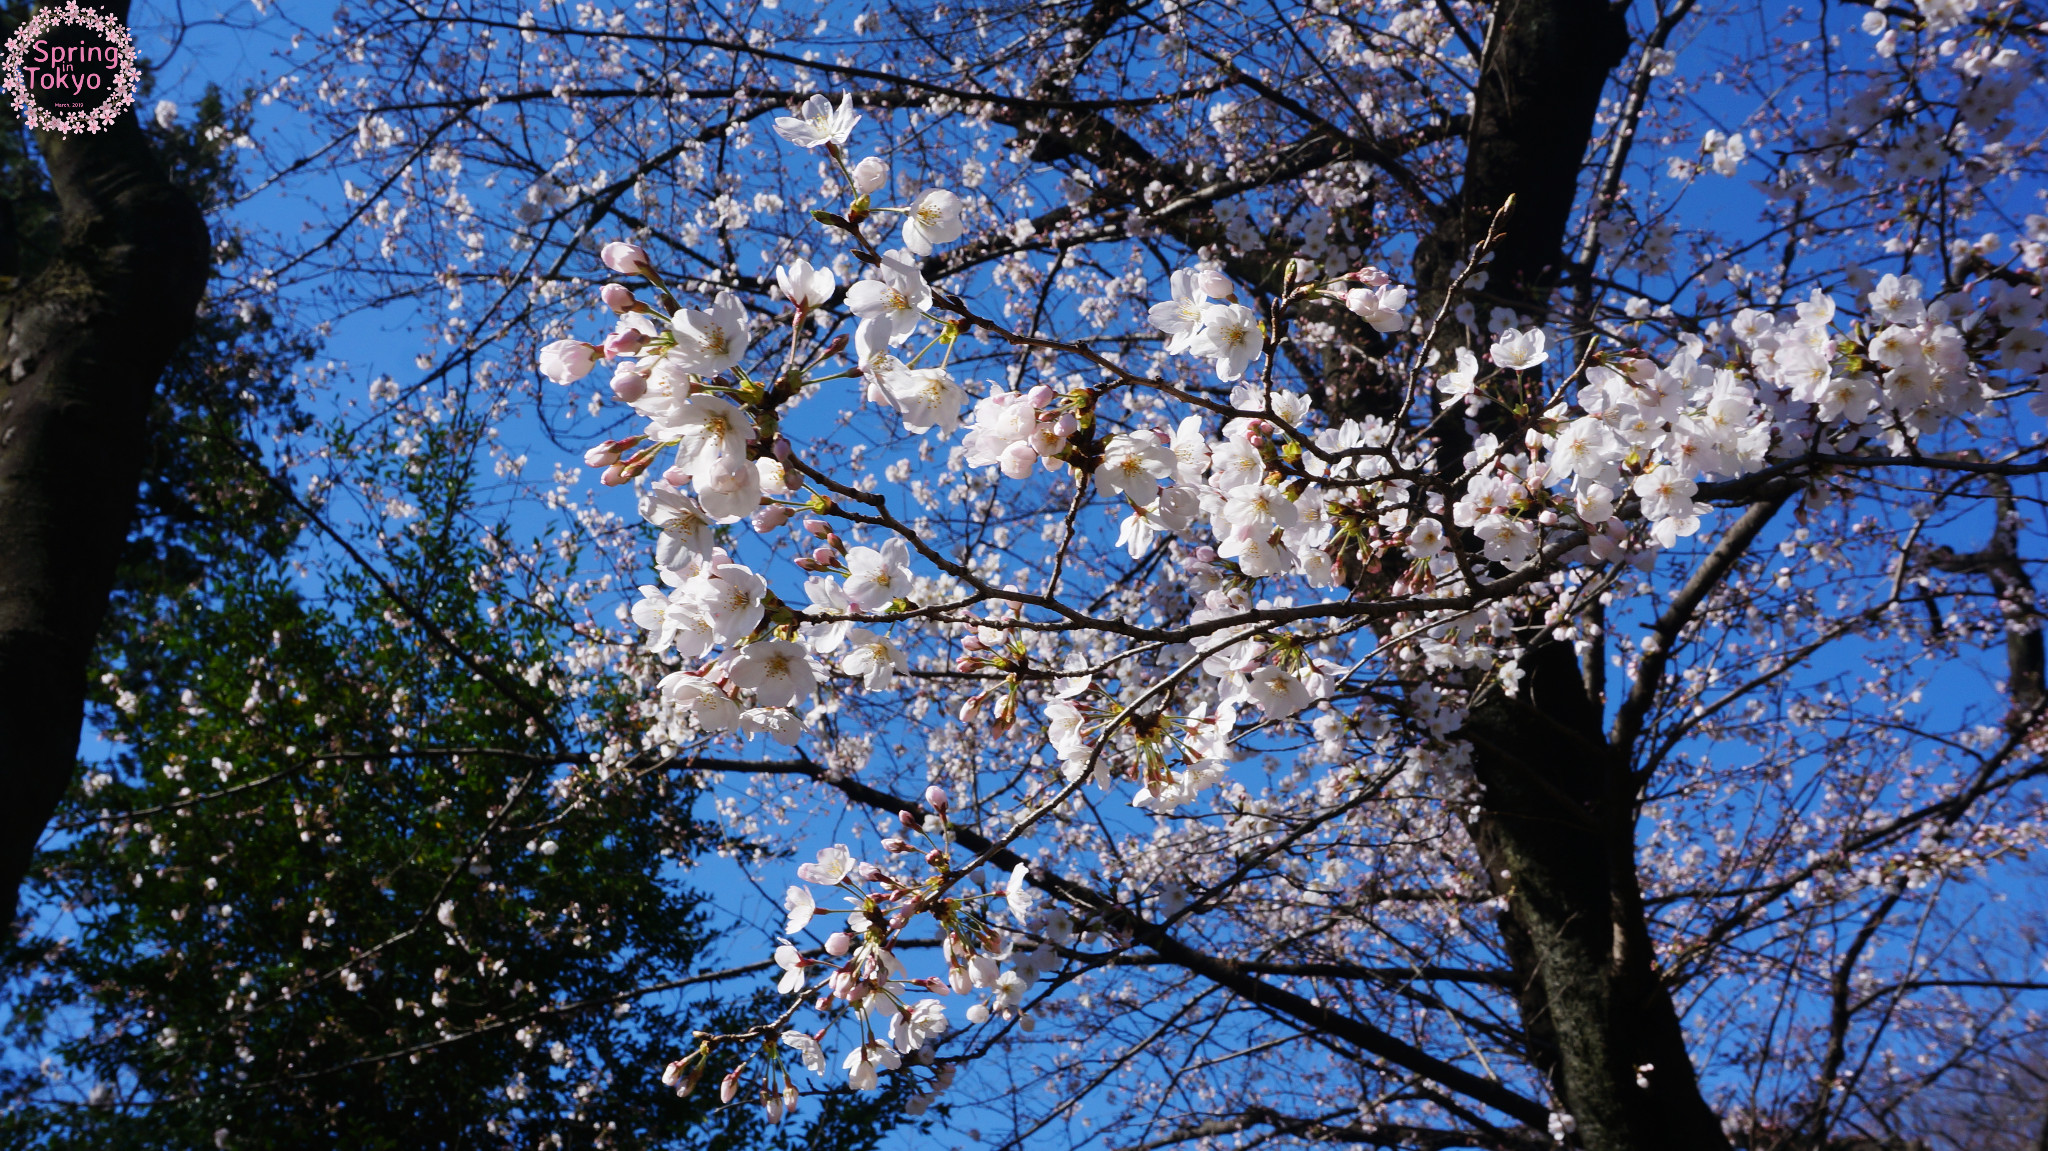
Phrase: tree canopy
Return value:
(1425, 576)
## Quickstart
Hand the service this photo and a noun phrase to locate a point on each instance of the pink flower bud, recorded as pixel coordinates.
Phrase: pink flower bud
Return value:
(1217, 285)
(970, 642)
(1041, 396)
(870, 174)
(675, 477)
(730, 1085)
(935, 797)
(818, 527)
(623, 343)
(625, 259)
(804, 562)
(824, 557)
(1017, 460)
(896, 845)
(603, 455)
(838, 943)
(771, 516)
(908, 819)
(614, 476)
(566, 361)
(1066, 425)
(619, 298)
(1205, 554)
(781, 449)
(966, 663)
(1547, 517)
(628, 385)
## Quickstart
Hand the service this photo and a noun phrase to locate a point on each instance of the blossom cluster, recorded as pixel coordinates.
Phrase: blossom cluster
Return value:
(1523, 467)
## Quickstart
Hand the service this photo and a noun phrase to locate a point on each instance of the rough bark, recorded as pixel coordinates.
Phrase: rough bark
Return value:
(1545, 65)
(86, 337)
(1556, 824)
(1557, 833)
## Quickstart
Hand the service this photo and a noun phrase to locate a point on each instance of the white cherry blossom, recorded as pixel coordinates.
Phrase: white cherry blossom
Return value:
(933, 218)
(803, 285)
(1232, 336)
(1518, 350)
(776, 671)
(819, 124)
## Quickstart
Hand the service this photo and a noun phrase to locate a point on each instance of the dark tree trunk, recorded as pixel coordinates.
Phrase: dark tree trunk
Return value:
(1556, 830)
(1556, 824)
(86, 337)
(1546, 63)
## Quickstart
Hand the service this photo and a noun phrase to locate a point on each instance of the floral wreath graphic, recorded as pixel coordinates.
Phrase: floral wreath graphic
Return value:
(120, 93)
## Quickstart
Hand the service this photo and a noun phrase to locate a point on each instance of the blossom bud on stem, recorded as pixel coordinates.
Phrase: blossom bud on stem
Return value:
(730, 1085)
(869, 175)
(628, 386)
(626, 259)
(619, 298)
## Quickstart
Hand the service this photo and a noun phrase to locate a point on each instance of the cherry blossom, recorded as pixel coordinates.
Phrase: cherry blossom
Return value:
(1343, 565)
(891, 304)
(776, 671)
(819, 124)
(1518, 351)
(1133, 464)
(1232, 336)
(932, 219)
(803, 285)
